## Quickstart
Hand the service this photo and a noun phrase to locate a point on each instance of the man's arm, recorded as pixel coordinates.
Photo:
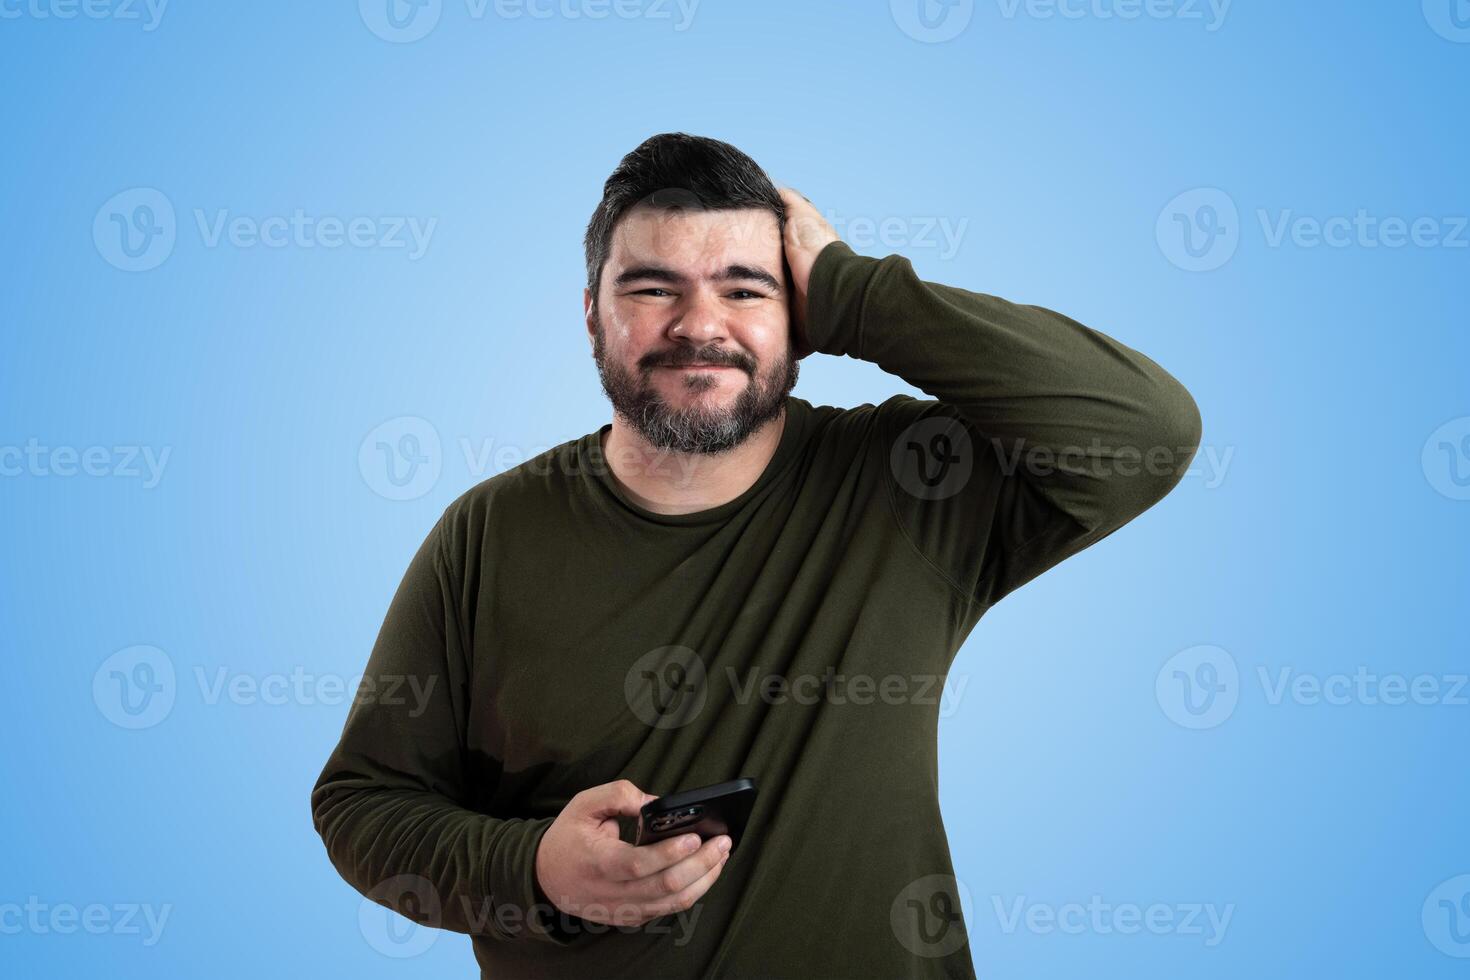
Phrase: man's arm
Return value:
(390, 801)
(1070, 433)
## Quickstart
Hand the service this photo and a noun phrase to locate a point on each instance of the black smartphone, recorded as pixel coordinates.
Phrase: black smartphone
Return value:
(708, 811)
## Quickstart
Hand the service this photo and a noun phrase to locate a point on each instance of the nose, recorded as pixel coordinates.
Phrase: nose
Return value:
(700, 320)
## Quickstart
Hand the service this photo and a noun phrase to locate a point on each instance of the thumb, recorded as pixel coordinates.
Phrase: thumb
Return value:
(619, 798)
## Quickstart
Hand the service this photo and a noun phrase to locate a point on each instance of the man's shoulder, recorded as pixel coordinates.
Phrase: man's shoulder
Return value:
(868, 423)
(543, 481)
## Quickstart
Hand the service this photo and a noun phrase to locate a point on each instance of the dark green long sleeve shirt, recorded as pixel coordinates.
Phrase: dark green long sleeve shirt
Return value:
(800, 634)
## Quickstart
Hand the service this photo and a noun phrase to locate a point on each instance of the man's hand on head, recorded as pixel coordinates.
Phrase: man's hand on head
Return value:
(807, 233)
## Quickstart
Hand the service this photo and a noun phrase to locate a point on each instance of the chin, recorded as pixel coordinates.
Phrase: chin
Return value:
(722, 394)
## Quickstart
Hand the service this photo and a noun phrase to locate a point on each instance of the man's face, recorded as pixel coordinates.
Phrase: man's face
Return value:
(691, 330)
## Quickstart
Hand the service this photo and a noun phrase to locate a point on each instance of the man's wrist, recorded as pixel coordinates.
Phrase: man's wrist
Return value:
(834, 299)
(544, 915)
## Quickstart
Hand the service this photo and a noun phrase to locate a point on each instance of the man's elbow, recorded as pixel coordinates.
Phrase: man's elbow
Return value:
(332, 807)
(1185, 427)
(1138, 473)
(1175, 429)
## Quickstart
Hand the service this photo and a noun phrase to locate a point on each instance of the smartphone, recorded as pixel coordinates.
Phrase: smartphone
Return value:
(708, 811)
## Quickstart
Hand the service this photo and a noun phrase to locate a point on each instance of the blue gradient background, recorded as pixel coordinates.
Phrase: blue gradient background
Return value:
(264, 549)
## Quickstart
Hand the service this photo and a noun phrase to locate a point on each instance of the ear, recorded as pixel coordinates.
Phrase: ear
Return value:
(587, 313)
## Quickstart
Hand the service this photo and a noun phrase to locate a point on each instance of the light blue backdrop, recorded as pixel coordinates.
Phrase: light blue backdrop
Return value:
(1229, 741)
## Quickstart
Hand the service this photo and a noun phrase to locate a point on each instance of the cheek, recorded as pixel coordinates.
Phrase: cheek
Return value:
(630, 334)
(766, 339)
(619, 329)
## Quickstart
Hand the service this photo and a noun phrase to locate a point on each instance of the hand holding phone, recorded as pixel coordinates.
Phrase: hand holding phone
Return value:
(708, 811)
(583, 866)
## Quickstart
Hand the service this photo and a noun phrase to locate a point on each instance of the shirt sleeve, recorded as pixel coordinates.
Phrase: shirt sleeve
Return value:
(390, 803)
(1042, 437)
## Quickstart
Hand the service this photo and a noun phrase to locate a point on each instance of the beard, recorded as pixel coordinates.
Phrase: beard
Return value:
(698, 429)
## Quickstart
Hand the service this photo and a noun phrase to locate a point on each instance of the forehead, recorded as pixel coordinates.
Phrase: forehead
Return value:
(697, 240)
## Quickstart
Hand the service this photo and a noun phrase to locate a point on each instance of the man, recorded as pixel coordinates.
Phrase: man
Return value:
(728, 582)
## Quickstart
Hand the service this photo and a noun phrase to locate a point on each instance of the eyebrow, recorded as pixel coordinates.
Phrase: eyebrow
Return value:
(658, 273)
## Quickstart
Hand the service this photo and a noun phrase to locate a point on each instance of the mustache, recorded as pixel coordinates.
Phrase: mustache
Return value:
(705, 356)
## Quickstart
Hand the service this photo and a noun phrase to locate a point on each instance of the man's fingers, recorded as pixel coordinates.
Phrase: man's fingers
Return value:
(802, 220)
(618, 798)
(623, 908)
(807, 232)
(678, 877)
(687, 896)
(790, 195)
(629, 863)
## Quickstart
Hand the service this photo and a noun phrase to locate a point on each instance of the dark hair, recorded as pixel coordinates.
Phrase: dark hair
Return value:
(672, 171)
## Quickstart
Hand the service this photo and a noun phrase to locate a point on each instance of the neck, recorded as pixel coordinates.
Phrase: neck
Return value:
(668, 482)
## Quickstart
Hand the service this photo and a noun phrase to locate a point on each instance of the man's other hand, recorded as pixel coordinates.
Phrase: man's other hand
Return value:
(586, 870)
(807, 233)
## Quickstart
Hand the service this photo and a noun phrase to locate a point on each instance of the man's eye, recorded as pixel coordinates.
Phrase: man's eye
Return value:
(651, 291)
(747, 294)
